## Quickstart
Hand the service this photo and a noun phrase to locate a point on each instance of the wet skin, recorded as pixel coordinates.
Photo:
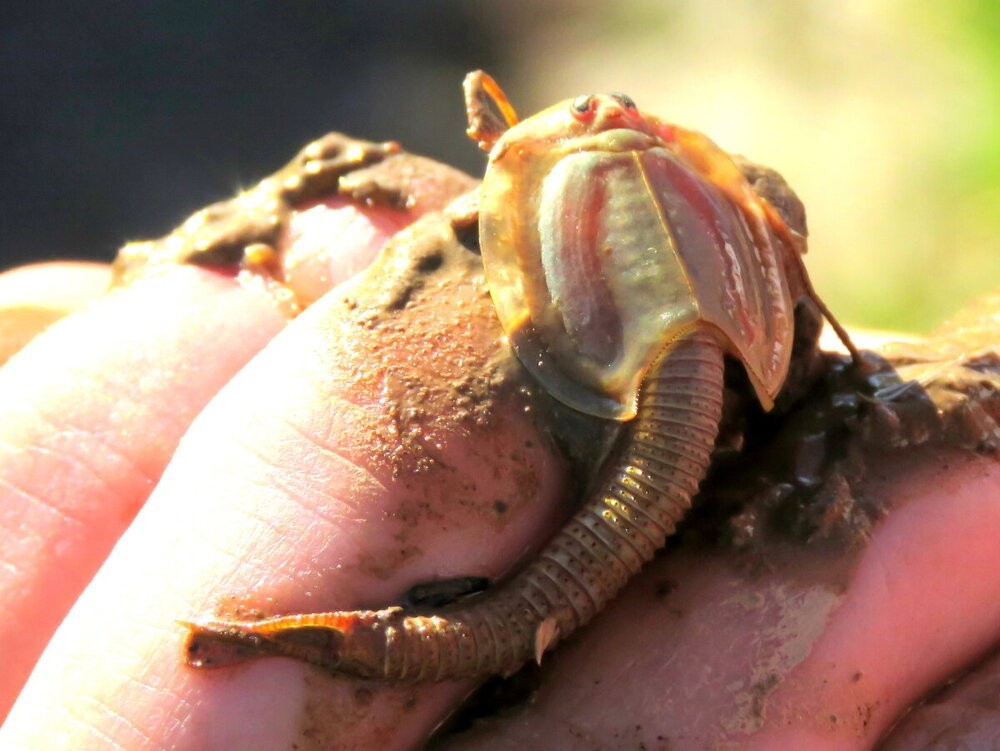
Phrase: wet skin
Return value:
(287, 488)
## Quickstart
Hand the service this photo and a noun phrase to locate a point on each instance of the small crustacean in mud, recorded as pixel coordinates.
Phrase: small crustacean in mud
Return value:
(625, 257)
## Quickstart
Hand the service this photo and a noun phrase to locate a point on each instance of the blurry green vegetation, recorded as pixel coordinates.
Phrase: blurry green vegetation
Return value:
(961, 178)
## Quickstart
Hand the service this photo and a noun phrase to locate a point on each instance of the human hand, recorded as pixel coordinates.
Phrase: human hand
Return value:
(287, 495)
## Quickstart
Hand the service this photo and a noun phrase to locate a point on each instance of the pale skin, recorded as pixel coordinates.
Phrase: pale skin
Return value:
(270, 495)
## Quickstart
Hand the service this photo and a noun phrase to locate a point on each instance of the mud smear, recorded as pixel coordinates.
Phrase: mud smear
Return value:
(418, 338)
(243, 236)
(19, 325)
(344, 709)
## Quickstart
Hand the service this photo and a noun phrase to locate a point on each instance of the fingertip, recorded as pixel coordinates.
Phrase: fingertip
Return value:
(34, 297)
(59, 284)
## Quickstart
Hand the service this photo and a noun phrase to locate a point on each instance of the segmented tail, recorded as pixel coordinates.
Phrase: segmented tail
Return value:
(633, 508)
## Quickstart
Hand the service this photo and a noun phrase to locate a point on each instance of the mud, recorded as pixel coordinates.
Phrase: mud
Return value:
(798, 469)
(244, 235)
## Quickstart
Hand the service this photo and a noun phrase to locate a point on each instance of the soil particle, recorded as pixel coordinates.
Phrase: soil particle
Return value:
(386, 563)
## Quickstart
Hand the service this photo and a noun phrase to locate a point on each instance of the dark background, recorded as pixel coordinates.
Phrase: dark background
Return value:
(118, 119)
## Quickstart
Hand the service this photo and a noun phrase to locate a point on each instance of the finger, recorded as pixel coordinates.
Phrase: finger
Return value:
(922, 603)
(92, 410)
(784, 648)
(90, 413)
(964, 715)
(34, 297)
(362, 451)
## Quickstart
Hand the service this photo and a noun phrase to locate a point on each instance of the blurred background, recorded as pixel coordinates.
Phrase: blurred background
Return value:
(118, 119)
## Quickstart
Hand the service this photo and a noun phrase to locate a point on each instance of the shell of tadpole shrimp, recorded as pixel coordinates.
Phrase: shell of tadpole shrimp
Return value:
(603, 241)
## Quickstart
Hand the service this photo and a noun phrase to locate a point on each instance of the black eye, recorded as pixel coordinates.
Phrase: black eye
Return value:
(624, 100)
(582, 103)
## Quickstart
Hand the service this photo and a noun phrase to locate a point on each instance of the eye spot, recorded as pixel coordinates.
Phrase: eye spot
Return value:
(583, 108)
(624, 100)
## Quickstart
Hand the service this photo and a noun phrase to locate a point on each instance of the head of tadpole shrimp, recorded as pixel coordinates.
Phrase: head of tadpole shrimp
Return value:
(602, 245)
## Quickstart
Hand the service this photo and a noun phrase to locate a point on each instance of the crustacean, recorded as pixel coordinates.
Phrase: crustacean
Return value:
(625, 257)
